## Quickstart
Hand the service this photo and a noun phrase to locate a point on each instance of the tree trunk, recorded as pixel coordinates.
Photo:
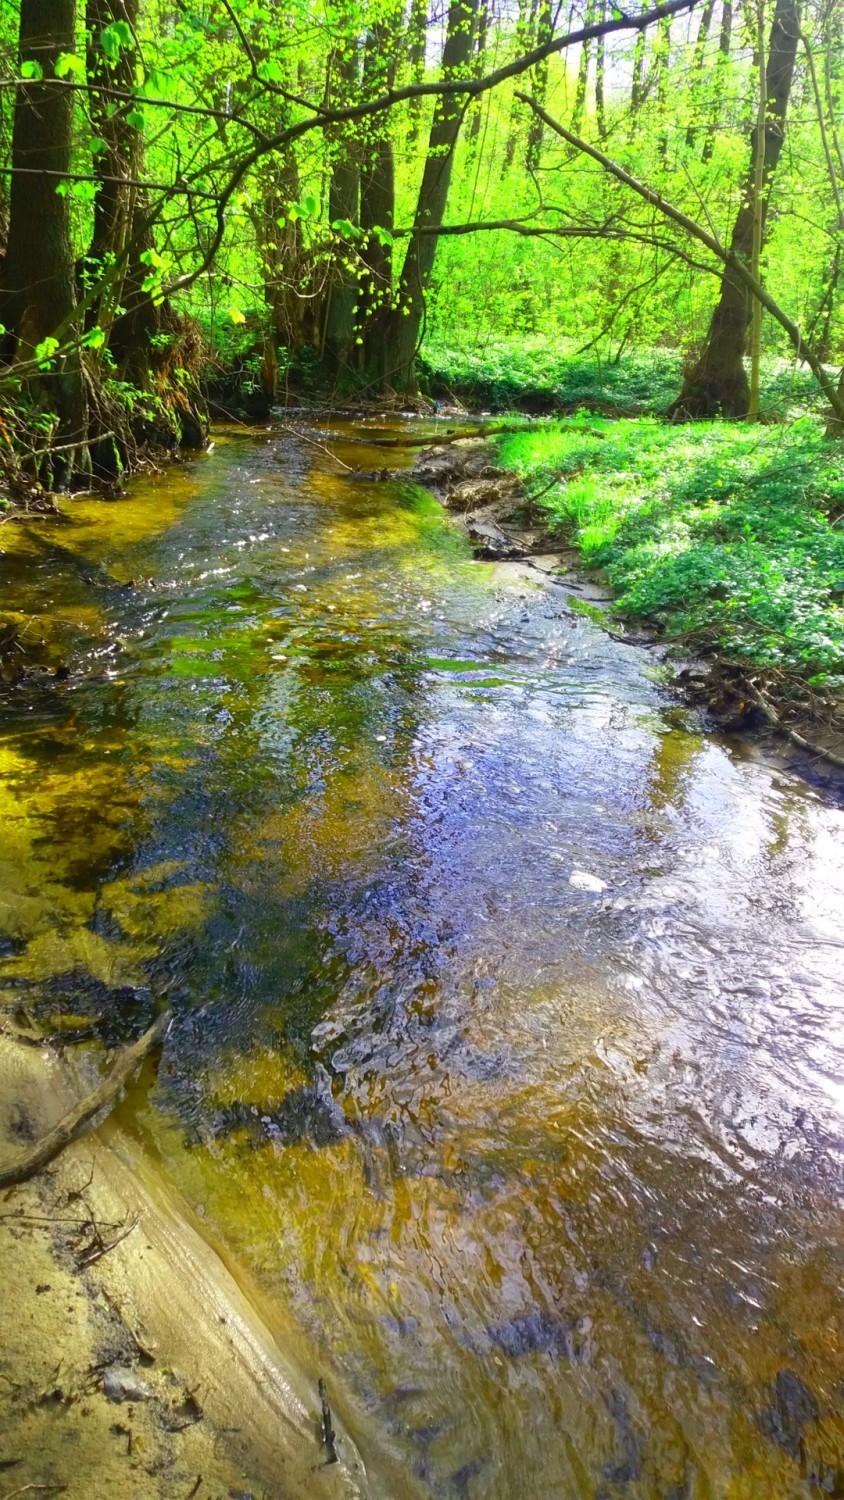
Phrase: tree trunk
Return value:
(343, 203)
(479, 105)
(377, 213)
(417, 35)
(524, 38)
(757, 204)
(119, 162)
(698, 63)
(38, 292)
(406, 324)
(544, 30)
(600, 77)
(637, 86)
(579, 105)
(724, 42)
(717, 385)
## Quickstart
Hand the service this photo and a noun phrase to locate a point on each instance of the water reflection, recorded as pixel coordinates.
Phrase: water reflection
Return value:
(509, 1052)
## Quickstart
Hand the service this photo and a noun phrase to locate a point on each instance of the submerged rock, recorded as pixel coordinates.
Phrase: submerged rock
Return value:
(122, 1384)
(792, 1408)
(309, 1113)
(534, 1331)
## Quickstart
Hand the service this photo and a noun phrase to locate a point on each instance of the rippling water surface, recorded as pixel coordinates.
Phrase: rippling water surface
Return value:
(509, 1053)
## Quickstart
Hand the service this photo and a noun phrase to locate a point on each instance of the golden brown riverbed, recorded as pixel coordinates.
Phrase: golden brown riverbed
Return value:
(507, 1072)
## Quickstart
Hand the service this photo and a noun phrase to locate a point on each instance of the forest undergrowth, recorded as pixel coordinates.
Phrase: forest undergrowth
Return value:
(722, 536)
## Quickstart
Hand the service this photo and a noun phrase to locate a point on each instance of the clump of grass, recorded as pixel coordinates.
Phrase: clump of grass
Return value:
(730, 534)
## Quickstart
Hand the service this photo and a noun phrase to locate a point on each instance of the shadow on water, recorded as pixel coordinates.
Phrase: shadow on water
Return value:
(508, 1054)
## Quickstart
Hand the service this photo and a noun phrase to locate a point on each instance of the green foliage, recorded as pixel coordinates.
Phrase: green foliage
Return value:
(727, 534)
(502, 373)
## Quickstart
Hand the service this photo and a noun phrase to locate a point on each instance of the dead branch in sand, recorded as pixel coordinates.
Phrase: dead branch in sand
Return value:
(103, 1097)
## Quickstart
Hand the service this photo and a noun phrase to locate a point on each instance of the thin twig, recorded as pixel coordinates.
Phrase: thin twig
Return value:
(92, 1254)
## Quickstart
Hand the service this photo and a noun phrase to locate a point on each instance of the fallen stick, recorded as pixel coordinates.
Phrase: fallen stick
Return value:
(104, 1096)
(774, 718)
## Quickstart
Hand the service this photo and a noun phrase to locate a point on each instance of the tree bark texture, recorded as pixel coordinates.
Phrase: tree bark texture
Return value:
(38, 291)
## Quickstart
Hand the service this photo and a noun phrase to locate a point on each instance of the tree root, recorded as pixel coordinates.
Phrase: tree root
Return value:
(104, 1096)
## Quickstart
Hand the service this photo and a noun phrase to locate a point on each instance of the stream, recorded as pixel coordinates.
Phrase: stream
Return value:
(508, 1056)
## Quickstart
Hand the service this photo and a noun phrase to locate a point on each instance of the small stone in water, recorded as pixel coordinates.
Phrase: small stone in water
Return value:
(122, 1384)
(583, 881)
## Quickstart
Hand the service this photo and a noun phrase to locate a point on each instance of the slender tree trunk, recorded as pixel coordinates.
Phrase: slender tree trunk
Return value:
(287, 269)
(718, 384)
(377, 213)
(406, 324)
(524, 39)
(725, 36)
(343, 203)
(758, 207)
(479, 105)
(579, 106)
(600, 77)
(698, 61)
(659, 78)
(417, 36)
(637, 87)
(38, 292)
(119, 161)
(544, 28)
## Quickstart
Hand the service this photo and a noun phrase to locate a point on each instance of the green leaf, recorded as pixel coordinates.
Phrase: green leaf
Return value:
(270, 71)
(136, 118)
(150, 258)
(344, 227)
(45, 351)
(305, 209)
(32, 69)
(69, 65)
(94, 338)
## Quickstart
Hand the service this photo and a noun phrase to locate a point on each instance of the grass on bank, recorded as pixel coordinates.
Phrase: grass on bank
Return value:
(729, 535)
(544, 374)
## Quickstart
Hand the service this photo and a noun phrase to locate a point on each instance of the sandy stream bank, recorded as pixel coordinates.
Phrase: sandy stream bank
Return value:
(223, 1411)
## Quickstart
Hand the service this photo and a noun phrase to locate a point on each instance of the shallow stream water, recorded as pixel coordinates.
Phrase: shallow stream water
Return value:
(508, 1058)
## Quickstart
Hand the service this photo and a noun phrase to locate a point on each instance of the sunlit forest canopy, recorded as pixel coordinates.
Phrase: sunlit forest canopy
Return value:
(326, 191)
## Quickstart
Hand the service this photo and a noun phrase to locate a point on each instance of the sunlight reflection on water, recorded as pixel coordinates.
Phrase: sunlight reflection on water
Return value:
(509, 1053)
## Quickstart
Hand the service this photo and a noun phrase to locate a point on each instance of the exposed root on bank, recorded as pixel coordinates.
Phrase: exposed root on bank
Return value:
(103, 1097)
